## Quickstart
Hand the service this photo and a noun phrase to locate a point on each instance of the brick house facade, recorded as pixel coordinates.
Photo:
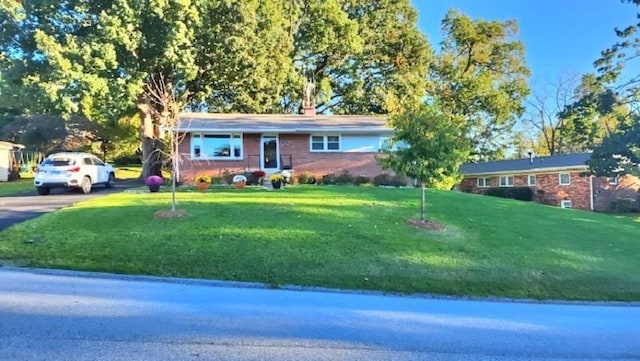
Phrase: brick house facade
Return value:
(315, 144)
(559, 180)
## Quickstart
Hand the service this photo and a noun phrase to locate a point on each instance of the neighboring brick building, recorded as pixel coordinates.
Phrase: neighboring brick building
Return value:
(319, 144)
(558, 180)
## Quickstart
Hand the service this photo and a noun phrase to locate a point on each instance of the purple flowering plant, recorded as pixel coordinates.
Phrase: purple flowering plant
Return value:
(154, 180)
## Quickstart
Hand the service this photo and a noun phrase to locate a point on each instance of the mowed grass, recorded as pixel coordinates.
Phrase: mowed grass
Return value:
(344, 237)
(16, 187)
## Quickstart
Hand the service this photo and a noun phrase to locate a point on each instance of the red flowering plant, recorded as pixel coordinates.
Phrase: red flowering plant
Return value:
(257, 177)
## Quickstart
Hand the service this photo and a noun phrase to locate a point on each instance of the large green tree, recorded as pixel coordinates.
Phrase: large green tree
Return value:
(479, 74)
(96, 59)
(614, 93)
(427, 146)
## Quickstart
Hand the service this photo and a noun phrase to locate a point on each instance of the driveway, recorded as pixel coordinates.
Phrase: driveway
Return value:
(19, 208)
(74, 316)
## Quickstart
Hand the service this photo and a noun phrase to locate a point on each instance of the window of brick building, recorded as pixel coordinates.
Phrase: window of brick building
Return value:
(506, 181)
(483, 182)
(565, 179)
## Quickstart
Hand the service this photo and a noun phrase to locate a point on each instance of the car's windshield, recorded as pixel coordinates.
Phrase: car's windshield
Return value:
(58, 161)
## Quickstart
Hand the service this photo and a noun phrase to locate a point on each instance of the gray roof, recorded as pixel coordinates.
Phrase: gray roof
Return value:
(289, 123)
(566, 161)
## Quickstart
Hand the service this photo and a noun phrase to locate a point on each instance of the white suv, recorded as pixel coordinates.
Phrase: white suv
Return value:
(73, 170)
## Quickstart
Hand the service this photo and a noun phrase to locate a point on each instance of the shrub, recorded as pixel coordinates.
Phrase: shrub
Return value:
(519, 193)
(399, 180)
(227, 177)
(386, 179)
(383, 179)
(306, 178)
(359, 180)
(328, 179)
(623, 205)
(344, 178)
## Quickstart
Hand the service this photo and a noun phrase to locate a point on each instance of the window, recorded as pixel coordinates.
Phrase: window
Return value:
(217, 146)
(613, 180)
(531, 180)
(97, 161)
(565, 179)
(483, 182)
(565, 204)
(506, 181)
(321, 143)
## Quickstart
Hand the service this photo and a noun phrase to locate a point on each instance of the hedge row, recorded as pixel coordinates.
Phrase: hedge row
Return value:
(520, 193)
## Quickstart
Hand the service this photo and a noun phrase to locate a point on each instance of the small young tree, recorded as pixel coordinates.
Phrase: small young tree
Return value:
(164, 98)
(427, 146)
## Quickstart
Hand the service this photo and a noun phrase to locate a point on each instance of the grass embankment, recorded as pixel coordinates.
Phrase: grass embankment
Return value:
(344, 237)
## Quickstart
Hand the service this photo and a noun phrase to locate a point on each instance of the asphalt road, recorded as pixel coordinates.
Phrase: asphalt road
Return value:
(19, 208)
(52, 315)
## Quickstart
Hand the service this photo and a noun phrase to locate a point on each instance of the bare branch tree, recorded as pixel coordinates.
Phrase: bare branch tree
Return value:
(168, 103)
(545, 108)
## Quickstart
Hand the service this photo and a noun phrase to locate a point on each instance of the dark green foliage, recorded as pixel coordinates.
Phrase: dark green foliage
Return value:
(127, 159)
(624, 205)
(386, 179)
(328, 179)
(306, 178)
(619, 153)
(480, 77)
(519, 193)
(360, 179)
(427, 146)
(344, 178)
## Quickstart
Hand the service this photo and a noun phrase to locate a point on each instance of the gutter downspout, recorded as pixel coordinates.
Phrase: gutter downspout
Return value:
(591, 190)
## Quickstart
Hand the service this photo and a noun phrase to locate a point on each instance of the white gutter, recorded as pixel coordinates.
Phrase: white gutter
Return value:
(529, 171)
(284, 130)
(591, 190)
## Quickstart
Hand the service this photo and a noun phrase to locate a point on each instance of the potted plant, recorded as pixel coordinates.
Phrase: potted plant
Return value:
(258, 176)
(154, 182)
(276, 180)
(239, 181)
(203, 181)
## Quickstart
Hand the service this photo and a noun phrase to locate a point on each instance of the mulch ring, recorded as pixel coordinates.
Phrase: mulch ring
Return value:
(426, 224)
(178, 213)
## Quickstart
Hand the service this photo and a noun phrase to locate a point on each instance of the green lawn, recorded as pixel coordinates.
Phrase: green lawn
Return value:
(13, 188)
(344, 237)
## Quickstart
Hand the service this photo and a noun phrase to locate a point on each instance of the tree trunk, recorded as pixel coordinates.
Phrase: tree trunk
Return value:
(422, 206)
(151, 146)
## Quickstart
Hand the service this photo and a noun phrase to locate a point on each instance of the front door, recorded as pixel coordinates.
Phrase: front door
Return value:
(270, 157)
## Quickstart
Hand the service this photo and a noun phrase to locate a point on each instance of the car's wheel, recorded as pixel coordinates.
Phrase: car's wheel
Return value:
(43, 191)
(111, 182)
(85, 187)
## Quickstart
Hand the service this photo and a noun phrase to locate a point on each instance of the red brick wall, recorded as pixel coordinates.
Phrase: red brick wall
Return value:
(296, 145)
(604, 193)
(321, 163)
(547, 190)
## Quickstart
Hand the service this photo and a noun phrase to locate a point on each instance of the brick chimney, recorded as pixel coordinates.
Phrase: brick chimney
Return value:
(308, 103)
(309, 110)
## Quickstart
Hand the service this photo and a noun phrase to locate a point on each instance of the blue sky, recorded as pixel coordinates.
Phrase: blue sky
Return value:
(560, 36)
